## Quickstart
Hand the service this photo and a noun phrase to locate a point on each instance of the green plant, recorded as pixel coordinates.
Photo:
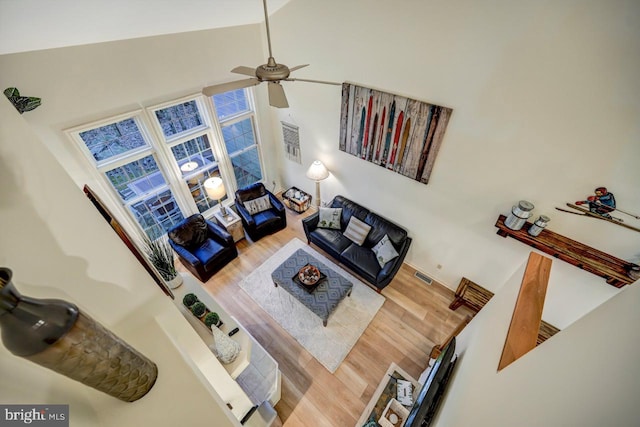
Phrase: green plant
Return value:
(211, 318)
(198, 309)
(189, 299)
(22, 103)
(160, 254)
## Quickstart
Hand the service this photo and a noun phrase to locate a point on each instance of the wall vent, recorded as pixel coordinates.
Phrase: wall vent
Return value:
(426, 279)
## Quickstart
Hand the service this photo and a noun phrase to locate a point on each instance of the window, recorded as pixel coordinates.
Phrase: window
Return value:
(125, 156)
(159, 180)
(188, 137)
(237, 120)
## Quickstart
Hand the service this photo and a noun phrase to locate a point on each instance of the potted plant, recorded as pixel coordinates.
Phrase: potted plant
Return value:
(212, 318)
(198, 309)
(160, 254)
(189, 299)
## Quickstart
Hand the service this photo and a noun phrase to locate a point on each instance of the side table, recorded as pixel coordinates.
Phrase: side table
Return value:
(231, 223)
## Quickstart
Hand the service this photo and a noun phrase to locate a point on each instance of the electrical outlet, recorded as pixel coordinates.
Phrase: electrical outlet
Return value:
(439, 266)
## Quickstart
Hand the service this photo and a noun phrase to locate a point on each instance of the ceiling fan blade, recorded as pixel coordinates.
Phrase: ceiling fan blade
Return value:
(277, 97)
(226, 87)
(247, 71)
(314, 81)
(297, 67)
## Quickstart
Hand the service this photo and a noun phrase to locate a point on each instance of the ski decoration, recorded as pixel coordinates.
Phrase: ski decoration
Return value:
(397, 133)
(601, 206)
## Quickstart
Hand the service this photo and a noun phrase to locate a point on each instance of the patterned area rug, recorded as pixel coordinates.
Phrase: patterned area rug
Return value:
(330, 344)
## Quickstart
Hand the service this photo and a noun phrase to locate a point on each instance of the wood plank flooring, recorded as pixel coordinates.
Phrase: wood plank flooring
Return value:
(414, 317)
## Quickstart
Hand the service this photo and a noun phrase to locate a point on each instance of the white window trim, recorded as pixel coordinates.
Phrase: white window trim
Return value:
(252, 113)
(159, 146)
(99, 169)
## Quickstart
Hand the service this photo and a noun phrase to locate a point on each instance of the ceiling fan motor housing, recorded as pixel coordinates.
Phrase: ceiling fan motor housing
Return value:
(271, 71)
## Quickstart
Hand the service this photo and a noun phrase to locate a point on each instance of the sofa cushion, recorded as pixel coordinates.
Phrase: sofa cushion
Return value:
(332, 238)
(265, 218)
(385, 251)
(381, 226)
(191, 233)
(259, 204)
(329, 218)
(208, 253)
(357, 231)
(349, 209)
(362, 259)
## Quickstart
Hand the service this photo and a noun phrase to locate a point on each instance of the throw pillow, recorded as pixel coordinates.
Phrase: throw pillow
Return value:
(191, 233)
(357, 231)
(258, 205)
(330, 218)
(384, 251)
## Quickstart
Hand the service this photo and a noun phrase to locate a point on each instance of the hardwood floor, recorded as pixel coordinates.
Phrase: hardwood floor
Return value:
(414, 317)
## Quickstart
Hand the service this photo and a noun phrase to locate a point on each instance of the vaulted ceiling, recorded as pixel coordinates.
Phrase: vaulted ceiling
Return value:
(27, 25)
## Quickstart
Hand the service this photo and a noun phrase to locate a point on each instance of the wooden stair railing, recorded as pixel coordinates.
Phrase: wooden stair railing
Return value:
(437, 349)
(527, 314)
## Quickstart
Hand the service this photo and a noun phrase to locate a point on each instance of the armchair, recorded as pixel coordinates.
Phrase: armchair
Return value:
(261, 212)
(202, 246)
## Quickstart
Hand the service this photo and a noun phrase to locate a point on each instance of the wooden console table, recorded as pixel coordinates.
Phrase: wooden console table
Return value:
(614, 270)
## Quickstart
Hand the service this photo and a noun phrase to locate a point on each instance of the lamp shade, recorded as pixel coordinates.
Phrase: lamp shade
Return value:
(215, 188)
(317, 171)
(189, 167)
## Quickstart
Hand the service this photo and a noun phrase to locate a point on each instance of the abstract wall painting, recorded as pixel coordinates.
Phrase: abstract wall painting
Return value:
(392, 131)
(291, 141)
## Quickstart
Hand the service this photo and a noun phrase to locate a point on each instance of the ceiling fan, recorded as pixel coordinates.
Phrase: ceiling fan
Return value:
(271, 72)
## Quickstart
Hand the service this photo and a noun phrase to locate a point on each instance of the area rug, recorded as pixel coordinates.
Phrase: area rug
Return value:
(330, 344)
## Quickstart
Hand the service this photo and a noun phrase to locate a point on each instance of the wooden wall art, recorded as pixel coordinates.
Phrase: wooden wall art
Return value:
(392, 131)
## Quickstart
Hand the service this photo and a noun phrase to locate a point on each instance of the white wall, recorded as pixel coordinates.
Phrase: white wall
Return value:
(583, 376)
(545, 105)
(58, 246)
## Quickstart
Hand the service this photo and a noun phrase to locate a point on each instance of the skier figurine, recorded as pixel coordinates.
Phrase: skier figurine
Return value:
(602, 203)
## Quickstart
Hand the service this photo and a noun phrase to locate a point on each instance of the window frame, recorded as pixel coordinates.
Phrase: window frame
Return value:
(165, 144)
(101, 168)
(236, 118)
(159, 146)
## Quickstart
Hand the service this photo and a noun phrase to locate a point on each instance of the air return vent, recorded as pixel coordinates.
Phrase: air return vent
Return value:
(426, 279)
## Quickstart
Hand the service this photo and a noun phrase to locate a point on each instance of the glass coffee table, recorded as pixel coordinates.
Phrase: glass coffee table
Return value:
(322, 300)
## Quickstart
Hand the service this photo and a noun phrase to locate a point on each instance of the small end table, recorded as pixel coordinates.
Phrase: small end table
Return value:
(231, 223)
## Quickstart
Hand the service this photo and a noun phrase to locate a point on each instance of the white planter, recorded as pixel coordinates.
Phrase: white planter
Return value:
(175, 282)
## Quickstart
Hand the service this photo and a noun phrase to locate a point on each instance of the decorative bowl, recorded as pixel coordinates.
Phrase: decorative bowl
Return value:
(309, 275)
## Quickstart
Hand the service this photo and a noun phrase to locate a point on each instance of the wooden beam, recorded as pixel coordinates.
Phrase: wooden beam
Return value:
(527, 314)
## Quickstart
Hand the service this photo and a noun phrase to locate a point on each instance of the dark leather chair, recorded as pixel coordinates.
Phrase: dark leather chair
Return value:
(202, 246)
(265, 222)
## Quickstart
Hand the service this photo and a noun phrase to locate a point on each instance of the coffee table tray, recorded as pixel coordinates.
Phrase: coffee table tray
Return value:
(309, 288)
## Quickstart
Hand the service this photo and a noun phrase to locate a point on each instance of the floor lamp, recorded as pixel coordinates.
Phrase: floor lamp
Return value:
(317, 172)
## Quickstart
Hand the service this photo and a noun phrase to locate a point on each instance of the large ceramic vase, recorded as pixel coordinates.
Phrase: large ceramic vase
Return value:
(55, 334)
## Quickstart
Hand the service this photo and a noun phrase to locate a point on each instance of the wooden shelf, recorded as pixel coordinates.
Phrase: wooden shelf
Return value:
(614, 270)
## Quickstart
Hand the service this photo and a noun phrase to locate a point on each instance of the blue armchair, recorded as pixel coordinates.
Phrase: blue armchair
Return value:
(261, 212)
(202, 246)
